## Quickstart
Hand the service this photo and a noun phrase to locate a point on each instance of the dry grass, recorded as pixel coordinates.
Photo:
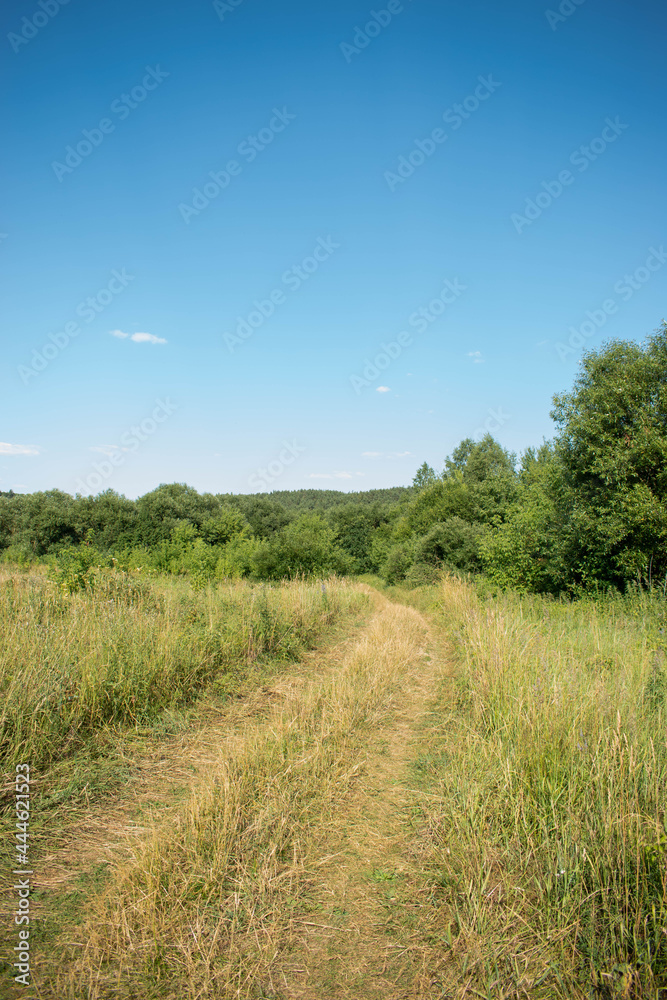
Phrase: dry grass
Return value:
(128, 650)
(543, 823)
(347, 844)
(212, 906)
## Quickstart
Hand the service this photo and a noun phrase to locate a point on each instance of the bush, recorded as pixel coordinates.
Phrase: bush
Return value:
(454, 543)
(18, 555)
(306, 547)
(421, 575)
(398, 562)
(72, 568)
(235, 559)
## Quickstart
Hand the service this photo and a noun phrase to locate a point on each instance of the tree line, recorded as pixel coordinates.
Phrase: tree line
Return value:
(585, 510)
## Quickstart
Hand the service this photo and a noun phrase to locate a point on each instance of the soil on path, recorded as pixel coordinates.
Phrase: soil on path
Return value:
(363, 939)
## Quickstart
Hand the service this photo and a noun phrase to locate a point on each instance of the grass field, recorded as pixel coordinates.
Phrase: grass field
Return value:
(460, 796)
(127, 650)
(546, 821)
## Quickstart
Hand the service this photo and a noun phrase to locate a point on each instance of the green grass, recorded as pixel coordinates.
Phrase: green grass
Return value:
(128, 652)
(543, 817)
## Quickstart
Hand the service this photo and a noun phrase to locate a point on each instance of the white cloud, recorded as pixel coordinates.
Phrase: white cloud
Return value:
(18, 449)
(138, 338)
(476, 356)
(383, 388)
(147, 338)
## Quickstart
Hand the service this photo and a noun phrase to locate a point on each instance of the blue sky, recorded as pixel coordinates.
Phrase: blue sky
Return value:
(351, 193)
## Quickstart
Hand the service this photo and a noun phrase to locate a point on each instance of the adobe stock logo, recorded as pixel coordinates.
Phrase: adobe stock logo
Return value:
(121, 107)
(494, 421)
(581, 158)
(87, 310)
(379, 20)
(30, 26)
(249, 149)
(130, 441)
(221, 8)
(263, 478)
(292, 278)
(419, 320)
(454, 116)
(625, 288)
(566, 9)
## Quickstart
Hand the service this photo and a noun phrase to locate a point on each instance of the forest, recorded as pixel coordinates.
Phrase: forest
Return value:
(584, 511)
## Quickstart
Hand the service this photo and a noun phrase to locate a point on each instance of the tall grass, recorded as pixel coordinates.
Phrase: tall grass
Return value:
(547, 838)
(124, 651)
(214, 905)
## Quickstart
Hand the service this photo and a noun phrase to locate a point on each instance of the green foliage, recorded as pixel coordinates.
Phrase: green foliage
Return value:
(355, 526)
(265, 516)
(17, 555)
(47, 521)
(72, 569)
(479, 485)
(306, 547)
(159, 511)
(397, 562)
(591, 510)
(236, 558)
(223, 526)
(526, 551)
(302, 501)
(612, 450)
(110, 517)
(424, 476)
(479, 461)
(452, 543)
(421, 574)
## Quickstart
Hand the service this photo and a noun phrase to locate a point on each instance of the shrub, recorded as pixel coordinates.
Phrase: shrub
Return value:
(398, 562)
(454, 543)
(421, 575)
(72, 570)
(235, 559)
(306, 547)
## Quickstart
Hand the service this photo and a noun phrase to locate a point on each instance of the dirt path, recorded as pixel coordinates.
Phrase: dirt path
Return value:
(354, 930)
(163, 772)
(362, 945)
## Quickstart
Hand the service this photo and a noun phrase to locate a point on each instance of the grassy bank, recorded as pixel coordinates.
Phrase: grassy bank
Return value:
(126, 650)
(544, 834)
